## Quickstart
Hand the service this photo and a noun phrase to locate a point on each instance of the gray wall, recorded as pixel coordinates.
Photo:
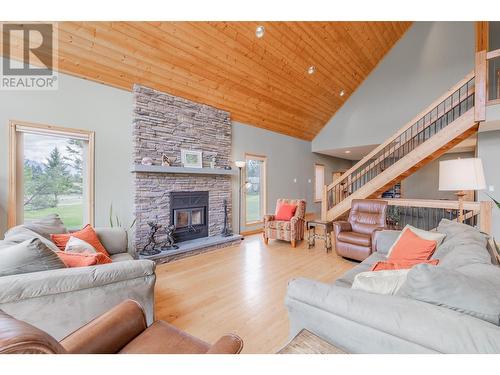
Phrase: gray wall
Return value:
(79, 104)
(488, 149)
(287, 159)
(424, 184)
(429, 59)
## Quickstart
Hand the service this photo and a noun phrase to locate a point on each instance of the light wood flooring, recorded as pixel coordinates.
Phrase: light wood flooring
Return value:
(240, 289)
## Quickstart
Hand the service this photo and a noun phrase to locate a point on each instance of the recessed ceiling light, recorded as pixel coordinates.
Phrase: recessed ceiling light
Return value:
(311, 69)
(347, 151)
(341, 93)
(259, 31)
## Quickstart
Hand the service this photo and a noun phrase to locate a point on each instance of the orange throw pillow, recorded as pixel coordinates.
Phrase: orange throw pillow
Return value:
(389, 266)
(412, 248)
(286, 212)
(82, 259)
(87, 234)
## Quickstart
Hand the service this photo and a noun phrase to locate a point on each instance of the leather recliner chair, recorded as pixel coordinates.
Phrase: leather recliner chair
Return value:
(121, 330)
(354, 239)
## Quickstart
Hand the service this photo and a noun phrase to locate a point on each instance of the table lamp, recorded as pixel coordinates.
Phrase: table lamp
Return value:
(460, 175)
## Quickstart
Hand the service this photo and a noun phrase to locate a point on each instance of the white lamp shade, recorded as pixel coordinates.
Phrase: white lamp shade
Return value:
(461, 174)
(240, 164)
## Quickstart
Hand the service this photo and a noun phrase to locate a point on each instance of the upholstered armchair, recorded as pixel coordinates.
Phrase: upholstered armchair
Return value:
(354, 238)
(291, 231)
(121, 330)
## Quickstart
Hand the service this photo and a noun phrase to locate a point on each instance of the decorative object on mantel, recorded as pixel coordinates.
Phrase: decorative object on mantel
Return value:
(240, 164)
(167, 161)
(226, 232)
(228, 168)
(147, 161)
(153, 228)
(169, 243)
(460, 175)
(212, 162)
(191, 159)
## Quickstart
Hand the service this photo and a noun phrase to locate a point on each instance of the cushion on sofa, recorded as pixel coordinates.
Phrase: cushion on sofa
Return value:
(465, 254)
(84, 259)
(401, 265)
(453, 228)
(21, 233)
(76, 245)
(380, 282)
(29, 256)
(47, 225)
(410, 247)
(454, 290)
(424, 234)
(87, 234)
(347, 278)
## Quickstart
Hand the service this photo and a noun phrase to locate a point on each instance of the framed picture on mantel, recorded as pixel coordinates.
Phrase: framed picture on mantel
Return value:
(192, 159)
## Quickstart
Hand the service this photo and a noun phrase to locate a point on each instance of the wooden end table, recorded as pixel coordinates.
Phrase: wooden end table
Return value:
(327, 226)
(308, 343)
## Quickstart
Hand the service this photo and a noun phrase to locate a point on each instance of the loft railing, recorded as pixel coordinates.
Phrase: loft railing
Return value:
(426, 214)
(448, 108)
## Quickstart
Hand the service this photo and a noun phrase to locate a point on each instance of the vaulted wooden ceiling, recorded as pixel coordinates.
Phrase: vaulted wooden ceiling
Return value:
(262, 82)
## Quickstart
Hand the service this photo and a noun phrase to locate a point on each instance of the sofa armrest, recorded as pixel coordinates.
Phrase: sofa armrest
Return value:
(108, 333)
(373, 237)
(227, 344)
(386, 323)
(114, 240)
(341, 226)
(36, 284)
(382, 240)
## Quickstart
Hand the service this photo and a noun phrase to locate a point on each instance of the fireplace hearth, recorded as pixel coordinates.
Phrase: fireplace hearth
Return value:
(189, 214)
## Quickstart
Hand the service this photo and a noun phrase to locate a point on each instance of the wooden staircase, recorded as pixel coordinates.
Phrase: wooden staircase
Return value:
(442, 125)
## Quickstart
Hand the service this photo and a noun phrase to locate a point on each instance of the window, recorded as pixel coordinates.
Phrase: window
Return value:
(255, 189)
(319, 182)
(51, 171)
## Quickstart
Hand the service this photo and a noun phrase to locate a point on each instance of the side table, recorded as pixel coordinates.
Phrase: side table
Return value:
(327, 226)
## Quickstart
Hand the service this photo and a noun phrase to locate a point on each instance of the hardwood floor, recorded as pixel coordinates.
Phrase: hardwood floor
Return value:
(240, 289)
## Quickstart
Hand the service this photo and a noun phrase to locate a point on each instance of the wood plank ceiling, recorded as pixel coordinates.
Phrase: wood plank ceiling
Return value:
(262, 82)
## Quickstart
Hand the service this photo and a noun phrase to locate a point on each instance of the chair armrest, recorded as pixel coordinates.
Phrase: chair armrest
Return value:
(108, 333)
(341, 226)
(227, 344)
(268, 218)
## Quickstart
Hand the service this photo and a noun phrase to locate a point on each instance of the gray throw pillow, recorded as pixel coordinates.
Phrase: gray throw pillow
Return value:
(465, 254)
(20, 234)
(455, 290)
(28, 256)
(45, 226)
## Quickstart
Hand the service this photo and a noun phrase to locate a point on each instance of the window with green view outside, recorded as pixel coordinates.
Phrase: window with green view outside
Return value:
(53, 178)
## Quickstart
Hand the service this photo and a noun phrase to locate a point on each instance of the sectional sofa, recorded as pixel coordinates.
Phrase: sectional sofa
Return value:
(453, 307)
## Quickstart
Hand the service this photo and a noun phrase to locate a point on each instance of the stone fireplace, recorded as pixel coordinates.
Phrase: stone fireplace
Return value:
(190, 198)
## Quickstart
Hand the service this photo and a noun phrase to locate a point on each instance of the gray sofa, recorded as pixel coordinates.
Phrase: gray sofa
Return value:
(61, 300)
(409, 321)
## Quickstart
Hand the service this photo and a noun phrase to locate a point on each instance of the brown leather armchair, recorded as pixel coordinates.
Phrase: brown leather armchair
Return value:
(121, 330)
(354, 238)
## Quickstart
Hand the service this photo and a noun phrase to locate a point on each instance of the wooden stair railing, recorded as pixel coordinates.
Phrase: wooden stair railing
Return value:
(439, 127)
(427, 213)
